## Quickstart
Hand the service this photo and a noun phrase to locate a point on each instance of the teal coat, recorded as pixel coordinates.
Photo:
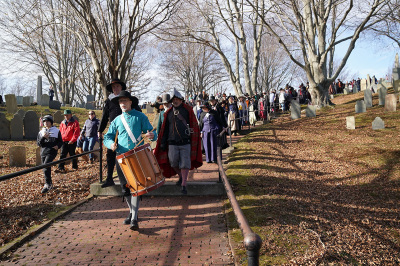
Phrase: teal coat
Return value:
(138, 123)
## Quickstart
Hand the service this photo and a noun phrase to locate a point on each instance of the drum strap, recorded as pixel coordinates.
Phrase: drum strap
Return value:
(128, 129)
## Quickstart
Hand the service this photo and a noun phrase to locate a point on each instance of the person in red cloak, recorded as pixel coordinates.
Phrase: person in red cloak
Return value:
(179, 137)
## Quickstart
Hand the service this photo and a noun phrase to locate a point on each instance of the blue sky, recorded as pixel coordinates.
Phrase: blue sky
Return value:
(367, 58)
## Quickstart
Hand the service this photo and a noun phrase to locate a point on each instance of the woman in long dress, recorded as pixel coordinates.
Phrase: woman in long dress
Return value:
(232, 115)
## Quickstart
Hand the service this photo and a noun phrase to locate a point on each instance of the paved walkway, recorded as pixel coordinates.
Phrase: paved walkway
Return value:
(180, 230)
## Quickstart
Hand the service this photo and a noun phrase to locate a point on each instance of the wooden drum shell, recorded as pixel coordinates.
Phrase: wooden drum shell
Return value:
(141, 170)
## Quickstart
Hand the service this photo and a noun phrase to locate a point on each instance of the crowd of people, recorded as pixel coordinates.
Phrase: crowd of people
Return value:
(68, 138)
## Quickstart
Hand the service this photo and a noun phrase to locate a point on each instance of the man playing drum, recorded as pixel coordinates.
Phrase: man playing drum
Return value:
(138, 123)
(179, 148)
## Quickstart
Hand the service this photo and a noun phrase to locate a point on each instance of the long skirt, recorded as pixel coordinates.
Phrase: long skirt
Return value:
(234, 124)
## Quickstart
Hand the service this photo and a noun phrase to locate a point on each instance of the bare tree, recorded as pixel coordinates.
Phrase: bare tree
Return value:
(36, 34)
(111, 30)
(307, 26)
(192, 67)
(221, 25)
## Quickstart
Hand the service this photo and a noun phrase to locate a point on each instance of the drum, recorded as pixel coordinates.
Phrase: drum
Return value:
(141, 170)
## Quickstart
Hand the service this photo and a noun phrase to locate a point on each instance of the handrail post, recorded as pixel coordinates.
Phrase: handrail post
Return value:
(230, 133)
(101, 160)
(252, 243)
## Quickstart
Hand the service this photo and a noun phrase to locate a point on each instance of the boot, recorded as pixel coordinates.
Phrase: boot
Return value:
(179, 182)
(128, 220)
(134, 225)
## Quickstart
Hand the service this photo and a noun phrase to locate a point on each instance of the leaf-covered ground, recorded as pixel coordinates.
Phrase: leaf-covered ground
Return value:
(318, 193)
(21, 203)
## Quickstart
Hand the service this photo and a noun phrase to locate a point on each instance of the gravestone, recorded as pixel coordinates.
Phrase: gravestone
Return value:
(38, 158)
(363, 84)
(378, 123)
(350, 122)
(31, 100)
(44, 100)
(31, 125)
(331, 96)
(11, 103)
(26, 101)
(21, 113)
(368, 98)
(149, 109)
(311, 111)
(390, 103)
(20, 100)
(39, 89)
(360, 106)
(396, 86)
(90, 102)
(4, 127)
(368, 81)
(58, 117)
(17, 156)
(95, 147)
(295, 111)
(382, 94)
(346, 91)
(17, 127)
(55, 105)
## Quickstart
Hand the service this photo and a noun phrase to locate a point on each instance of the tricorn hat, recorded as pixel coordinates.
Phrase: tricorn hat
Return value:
(165, 98)
(114, 81)
(212, 98)
(126, 94)
(176, 94)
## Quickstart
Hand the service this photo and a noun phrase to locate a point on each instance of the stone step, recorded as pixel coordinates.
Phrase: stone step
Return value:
(168, 189)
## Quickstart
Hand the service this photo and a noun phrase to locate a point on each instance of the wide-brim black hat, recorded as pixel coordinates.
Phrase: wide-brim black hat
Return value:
(115, 81)
(205, 105)
(126, 94)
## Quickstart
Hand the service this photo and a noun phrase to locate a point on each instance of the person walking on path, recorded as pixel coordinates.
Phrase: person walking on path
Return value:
(178, 147)
(70, 130)
(210, 126)
(233, 114)
(138, 123)
(49, 140)
(110, 111)
(89, 134)
(165, 102)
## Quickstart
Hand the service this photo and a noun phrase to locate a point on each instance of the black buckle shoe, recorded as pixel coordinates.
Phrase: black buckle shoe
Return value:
(128, 220)
(183, 190)
(108, 184)
(178, 183)
(134, 225)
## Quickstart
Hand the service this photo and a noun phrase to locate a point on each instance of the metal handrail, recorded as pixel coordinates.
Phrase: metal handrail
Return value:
(35, 168)
(251, 240)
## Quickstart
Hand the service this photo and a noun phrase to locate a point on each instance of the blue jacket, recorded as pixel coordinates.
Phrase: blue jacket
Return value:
(90, 128)
(138, 123)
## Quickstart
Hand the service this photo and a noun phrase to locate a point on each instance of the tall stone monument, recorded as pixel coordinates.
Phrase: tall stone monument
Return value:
(39, 90)
(396, 69)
